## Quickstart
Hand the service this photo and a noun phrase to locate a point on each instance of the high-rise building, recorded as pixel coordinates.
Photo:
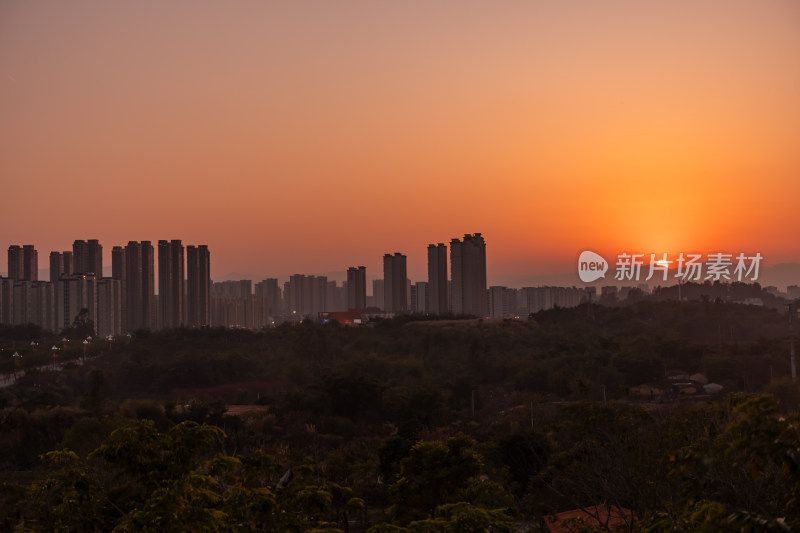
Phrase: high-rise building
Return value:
(394, 283)
(23, 306)
(56, 266)
(108, 319)
(500, 302)
(437, 279)
(269, 292)
(15, 262)
(87, 257)
(420, 297)
(43, 305)
(315, 295)
(6, 300)
(118, 263)
(27, 302)
(468, 274)
(138, 285)
(535, 299)
(198, 281)
(76, 296)
(30, 263)
(336, 298)
(305, 296)
(242, 288)
(60, 265)
(119, 267)
(170, 283)
(378, 293)
(232, 304)
(23, 263)
(357, 288)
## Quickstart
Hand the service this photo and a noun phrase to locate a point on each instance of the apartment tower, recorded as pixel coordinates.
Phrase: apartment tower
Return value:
(468, 275)
(437, 279)
(356, 288)
(394, 283)
(198, 285)
(170, 283)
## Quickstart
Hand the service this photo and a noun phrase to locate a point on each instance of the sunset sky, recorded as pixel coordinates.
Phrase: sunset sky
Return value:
(311, 136)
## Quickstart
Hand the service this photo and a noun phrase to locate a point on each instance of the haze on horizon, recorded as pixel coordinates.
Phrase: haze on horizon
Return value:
(312, 136)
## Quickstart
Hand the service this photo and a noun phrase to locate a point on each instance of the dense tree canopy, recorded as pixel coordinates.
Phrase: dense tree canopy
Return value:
(408, 425)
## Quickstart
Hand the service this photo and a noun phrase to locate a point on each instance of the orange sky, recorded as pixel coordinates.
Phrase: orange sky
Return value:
(312, 136)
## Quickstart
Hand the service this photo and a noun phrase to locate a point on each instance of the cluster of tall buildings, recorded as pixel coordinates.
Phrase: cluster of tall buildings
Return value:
(125, 301)
(186, 296)
(235, 304)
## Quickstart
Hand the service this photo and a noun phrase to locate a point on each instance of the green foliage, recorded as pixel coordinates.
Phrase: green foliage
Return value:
(82, 327)
(786, 392)
(462, 517)
(702, 517)
(363, 420)
(434, 473)
(68, 499)
(524, 454)
(742, 469)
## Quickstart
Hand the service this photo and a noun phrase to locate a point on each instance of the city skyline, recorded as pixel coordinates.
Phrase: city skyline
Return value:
(781, 275)
(126, 301)
(308, 138)
(187, 296)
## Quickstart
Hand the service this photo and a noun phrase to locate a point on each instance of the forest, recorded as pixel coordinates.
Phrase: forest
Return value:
(411, 424)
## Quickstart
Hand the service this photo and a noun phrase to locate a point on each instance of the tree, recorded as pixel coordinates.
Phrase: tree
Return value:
(433, 473)
(68, 498)
(81, 328)
(436, 474)
(741, 470)
(602, 454)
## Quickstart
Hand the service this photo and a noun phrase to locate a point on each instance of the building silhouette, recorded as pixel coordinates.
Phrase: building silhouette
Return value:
(356, 288)
(76, 296)
(60, 265)
(6, 300)
(394, 283)
(378, 293)
(468, 275)
(119, 267)
(269, 292)
(305, 296)
(437, 279)
(198, 285)
(420, 297)
(501, 302)
(28, 302)
(108, 314)
(15, 262)
(233, 304)
(87, 257)
(43, 300)
(23, 263)
(138, 285)
(336, 298)
(170, 283)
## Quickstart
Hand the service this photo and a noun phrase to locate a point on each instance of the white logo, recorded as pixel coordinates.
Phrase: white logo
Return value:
(591, 267)
(717, 267)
